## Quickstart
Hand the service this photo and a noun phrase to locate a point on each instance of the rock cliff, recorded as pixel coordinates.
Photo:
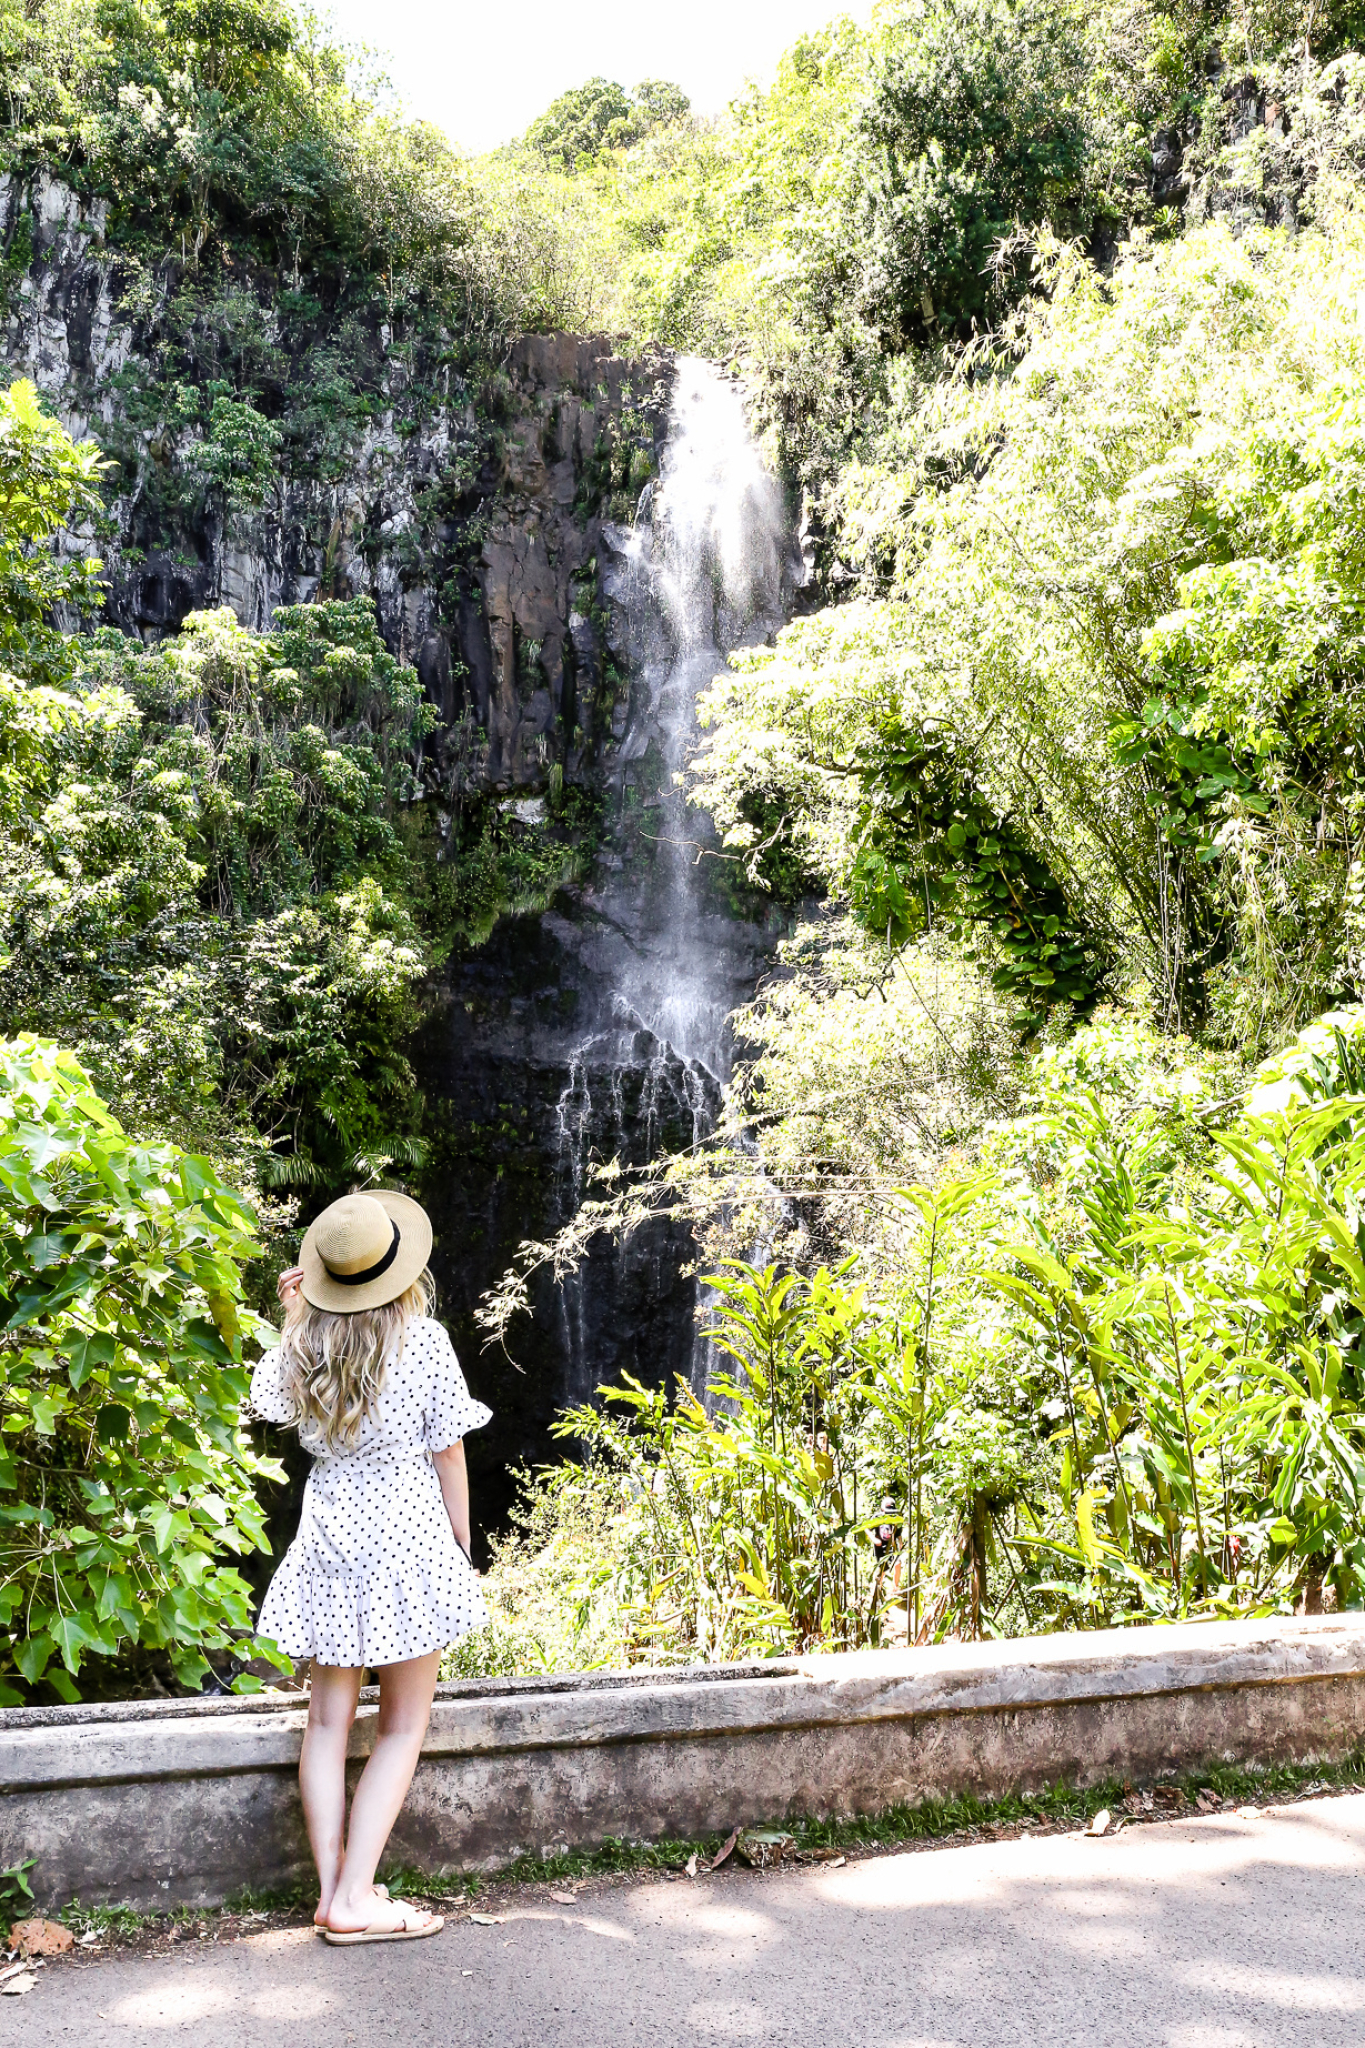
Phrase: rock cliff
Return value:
(266, 448)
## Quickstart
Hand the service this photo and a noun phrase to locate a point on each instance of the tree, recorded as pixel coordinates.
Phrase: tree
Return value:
(47, 486)
(974, 126)
(658, 104)
(582, 123)
(601, 115)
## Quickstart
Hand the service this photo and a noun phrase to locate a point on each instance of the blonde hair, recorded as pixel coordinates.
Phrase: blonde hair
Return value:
(334, 1365)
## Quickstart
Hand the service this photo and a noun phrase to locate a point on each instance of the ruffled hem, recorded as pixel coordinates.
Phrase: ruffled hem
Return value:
(472, 1415)
(331, 1615)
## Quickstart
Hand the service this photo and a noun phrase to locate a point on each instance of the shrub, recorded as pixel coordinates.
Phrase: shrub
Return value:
(125, 1485)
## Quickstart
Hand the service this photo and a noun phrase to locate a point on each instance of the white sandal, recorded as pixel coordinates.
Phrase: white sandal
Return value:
(435, 1922)
(320, 1926)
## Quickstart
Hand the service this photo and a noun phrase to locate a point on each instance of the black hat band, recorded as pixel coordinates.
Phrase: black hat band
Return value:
(370, 1272)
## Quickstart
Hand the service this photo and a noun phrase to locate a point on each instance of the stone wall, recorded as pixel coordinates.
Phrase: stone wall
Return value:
(186, 1802)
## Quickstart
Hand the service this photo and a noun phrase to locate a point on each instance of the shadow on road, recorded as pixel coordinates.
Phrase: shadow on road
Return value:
(1223, 1932)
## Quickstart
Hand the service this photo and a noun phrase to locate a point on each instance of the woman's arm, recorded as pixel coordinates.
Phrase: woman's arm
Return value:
(454, 1477)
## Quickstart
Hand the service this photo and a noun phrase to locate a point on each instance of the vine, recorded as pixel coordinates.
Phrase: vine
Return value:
(933, 849)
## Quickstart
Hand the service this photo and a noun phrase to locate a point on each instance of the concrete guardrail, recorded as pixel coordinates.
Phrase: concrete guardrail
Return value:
(186, 1801)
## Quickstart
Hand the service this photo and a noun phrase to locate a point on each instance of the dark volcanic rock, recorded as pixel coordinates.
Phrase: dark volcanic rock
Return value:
(470, 509)
(527, 1076)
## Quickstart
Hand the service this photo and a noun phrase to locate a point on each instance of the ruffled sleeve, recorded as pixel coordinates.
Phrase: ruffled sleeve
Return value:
(451, 1410)
(266, 1402)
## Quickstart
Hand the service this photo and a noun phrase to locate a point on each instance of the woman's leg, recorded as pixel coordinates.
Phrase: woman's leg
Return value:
(405, 1695)
(322, 1770)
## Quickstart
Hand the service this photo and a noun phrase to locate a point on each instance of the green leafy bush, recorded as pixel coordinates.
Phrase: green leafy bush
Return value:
(228, 132)
(975, 125)
(600, 115)
(47, 484)
(1110, 1376)
(206, 895)
(125, 1485)
(932, 849)
(1118, 579)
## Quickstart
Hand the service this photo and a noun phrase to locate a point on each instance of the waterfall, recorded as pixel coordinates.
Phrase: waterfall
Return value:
(702, 572)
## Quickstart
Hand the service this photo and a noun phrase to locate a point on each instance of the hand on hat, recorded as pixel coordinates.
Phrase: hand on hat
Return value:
(287, 1286)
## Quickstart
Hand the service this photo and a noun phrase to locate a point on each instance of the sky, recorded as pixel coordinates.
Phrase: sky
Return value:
(483, 71)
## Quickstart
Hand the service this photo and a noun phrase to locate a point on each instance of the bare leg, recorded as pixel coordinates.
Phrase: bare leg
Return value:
(405, 1695)
(322, 1771)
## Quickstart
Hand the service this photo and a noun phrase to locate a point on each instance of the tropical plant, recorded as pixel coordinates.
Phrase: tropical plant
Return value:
(1111, 1376)
(47, 484)
(1118, 593)
(932, 849)
(206, 895)
(1209, 1419)
(975, 127)
(125, 1485)
(600, 115)
(757, 1522)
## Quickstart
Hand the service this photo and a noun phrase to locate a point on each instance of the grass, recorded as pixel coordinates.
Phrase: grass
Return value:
(115, 1920)
(893, 1827)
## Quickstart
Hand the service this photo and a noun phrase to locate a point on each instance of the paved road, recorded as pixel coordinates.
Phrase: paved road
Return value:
(1220, 1932)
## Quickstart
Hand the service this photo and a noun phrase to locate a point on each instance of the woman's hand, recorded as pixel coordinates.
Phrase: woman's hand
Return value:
(288, 1284)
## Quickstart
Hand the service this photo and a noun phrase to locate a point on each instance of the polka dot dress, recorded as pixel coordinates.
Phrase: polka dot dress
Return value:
(375, 1574)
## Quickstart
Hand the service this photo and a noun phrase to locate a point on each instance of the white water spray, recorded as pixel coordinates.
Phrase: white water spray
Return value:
(702, 574)
(714, 552)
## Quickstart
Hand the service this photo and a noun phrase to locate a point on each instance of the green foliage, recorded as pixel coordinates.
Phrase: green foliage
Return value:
(219, 888)
(1118, 577)
(239, 131)
(1112, 1375)
(207, 898)
(123, 1479)
(975, 125)
(46, 485)
(1188, 772)
(493, 865)
(239, 452)
(931, 848)
(860, 1068)
(544, 1585)
(579, 125)
(1211, 1414)
(737, 1533)
(185, 114)
(14, 1885)
(886, 194)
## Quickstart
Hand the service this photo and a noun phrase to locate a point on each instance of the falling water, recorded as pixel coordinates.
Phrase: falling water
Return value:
(699, 574)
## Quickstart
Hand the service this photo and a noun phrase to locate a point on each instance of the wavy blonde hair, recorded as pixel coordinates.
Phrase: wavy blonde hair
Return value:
(334, 1365)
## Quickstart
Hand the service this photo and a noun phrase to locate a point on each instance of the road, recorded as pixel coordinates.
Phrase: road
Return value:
(1221, 1931)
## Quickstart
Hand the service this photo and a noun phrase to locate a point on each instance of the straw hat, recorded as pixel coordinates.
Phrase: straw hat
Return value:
(363, 1251)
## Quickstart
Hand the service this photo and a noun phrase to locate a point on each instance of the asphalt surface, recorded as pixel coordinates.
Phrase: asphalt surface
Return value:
(1217, 1932)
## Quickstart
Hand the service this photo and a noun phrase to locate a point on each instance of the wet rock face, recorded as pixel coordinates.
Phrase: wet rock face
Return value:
(493, 1062)
(468, 506)
(528, 1077)
(536, 661)
(1169, 181)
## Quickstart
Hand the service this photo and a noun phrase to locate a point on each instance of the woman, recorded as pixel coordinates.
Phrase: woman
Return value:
(379, 1574)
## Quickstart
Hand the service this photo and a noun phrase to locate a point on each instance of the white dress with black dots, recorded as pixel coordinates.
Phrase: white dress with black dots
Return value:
(375, 1574)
